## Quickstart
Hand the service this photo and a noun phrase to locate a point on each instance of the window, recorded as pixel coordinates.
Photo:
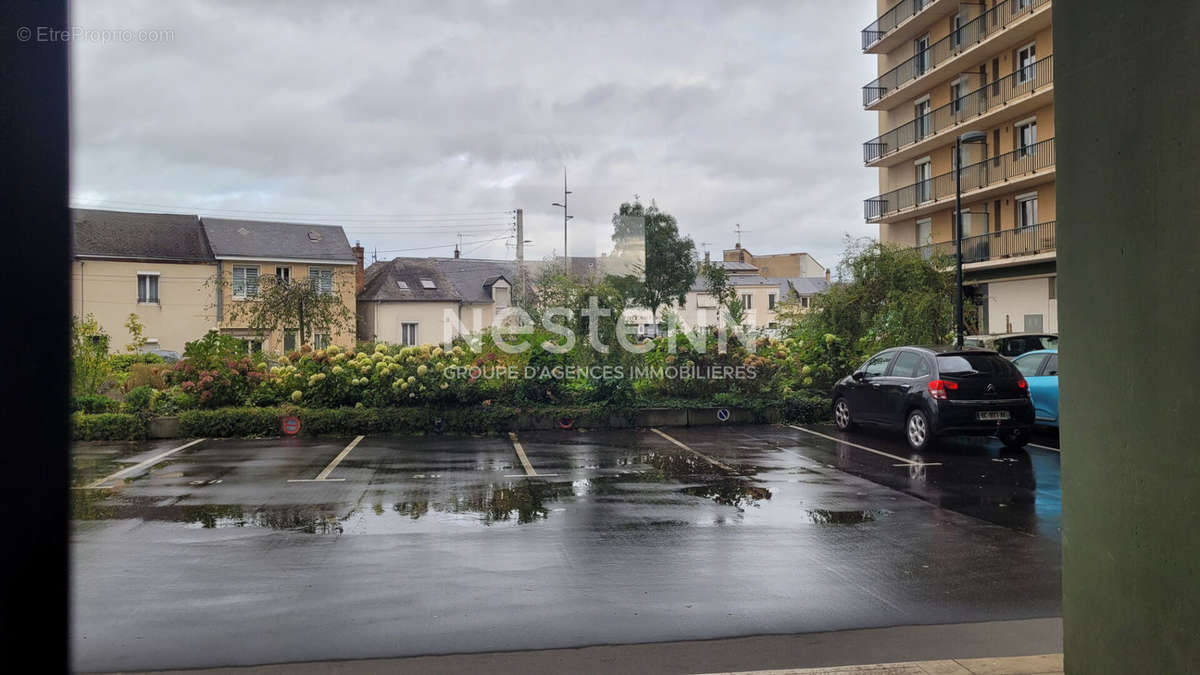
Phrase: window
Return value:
(320, 340)
(924, 232)
(923, 369)
(1051, 366)
(956, 23)
(402, 284)
(283, 274)
(252, 346)
(987, 364)
(500, 296)
(245, 282)
(878, 365)
(408, 334)
(147, 283)
(428, 283)
(321, 279)
(996, 215)
(921, 50)
(1053, 288)
(906, 365)
(1026, 70)
(771, 301)
(921, 119)
(924, 174)
(1033, 323)
(747, 301)
(956, 92)
(804, 302)
(290, 338)
(1026, 137)
(1026, 211)
(1028, 365)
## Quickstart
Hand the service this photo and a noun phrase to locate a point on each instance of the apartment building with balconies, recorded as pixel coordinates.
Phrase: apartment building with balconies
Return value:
(948, 67)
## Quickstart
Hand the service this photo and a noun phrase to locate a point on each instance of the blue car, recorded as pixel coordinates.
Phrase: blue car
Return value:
(1040, 369)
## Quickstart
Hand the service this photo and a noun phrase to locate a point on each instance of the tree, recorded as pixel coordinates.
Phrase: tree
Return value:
(91, 367)
(670, 267)
(280, 304)
(886, 296)
(136, 338)
(716, 280)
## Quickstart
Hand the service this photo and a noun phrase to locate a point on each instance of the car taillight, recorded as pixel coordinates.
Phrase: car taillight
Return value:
(938, 388)
(1024, 386)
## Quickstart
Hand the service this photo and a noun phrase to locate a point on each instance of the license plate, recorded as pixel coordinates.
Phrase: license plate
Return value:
(989, 415)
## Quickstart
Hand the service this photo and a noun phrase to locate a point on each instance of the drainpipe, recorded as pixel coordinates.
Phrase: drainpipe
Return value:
(220, 298)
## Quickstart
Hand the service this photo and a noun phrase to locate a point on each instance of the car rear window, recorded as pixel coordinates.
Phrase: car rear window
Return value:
(974, 364)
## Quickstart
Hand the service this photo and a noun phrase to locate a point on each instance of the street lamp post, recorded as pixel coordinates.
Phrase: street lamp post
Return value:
(969, 137)
(563, 206)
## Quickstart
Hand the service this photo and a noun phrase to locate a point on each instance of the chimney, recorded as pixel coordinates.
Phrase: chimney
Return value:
(456, 252)
(826, 276)
(737, 245)
(358, 267)
(707, 257)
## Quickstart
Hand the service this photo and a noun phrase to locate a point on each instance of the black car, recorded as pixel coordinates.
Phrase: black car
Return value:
(937, 391)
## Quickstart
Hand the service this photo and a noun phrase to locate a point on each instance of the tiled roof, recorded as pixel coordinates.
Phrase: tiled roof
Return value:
(269, 240)
(139, 236)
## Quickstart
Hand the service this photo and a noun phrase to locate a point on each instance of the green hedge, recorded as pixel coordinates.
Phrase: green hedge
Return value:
(259, 422)
(94, 404)
(107, 427)
(230, 422)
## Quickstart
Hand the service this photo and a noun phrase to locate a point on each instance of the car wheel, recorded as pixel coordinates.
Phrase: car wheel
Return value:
(841, 415)
(917, 430)
(1015, 438)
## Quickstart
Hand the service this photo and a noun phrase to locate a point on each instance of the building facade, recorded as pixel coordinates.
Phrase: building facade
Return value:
(414, 301)
(794, 265)
(247, 251)
(157, 266)
(946, 68)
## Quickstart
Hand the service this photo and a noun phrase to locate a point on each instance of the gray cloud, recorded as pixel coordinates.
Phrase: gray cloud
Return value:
(722, 112)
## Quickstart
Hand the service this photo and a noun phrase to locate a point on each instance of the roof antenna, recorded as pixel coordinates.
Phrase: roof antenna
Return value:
(737, 227)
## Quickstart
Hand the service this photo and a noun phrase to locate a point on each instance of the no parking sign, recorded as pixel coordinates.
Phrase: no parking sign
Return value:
(723, 414)
(291, 425)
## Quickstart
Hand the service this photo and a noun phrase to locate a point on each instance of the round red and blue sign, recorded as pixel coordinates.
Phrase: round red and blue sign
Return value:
(291, 425)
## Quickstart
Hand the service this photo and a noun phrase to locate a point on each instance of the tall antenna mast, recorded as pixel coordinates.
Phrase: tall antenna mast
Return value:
(563, 206)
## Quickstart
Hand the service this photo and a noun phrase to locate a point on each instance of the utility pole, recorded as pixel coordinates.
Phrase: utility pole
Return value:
(563, 206)
(521, 255)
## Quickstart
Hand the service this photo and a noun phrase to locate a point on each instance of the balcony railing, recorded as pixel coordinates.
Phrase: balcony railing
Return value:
(1039, 238)
(1027, 160)
(888, 21)
(1025, 80)
(966, 36)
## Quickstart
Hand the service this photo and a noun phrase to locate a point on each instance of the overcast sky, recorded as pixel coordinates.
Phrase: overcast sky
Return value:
(394, 118)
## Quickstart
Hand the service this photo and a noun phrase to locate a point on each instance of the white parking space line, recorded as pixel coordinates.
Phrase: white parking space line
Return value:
(1044, 447)
(512, 436)
(906, 462)
(701, 455)
(140, 465)
(323, 477)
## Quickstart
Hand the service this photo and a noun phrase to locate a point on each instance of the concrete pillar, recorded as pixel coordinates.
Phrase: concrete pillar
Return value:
(1128, 143)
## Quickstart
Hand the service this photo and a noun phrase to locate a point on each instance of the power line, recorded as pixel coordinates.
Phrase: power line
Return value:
(315, 214)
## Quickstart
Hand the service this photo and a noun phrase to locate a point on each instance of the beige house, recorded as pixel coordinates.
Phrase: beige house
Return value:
(946, 68)
(416, 301)
(156, 265)
(247, 251)
(760, 296)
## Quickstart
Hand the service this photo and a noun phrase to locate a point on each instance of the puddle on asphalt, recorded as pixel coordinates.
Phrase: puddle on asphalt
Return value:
(87, 505)
(734, 492)
(827, 517)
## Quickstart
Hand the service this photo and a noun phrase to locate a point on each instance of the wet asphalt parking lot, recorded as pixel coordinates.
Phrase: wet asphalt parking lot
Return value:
(238, 552)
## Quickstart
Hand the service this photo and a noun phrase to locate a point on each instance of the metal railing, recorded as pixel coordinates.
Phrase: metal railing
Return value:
(888, 21)
(966, 36)
(1026, 160)
(1019, 241)
(1025, 80)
